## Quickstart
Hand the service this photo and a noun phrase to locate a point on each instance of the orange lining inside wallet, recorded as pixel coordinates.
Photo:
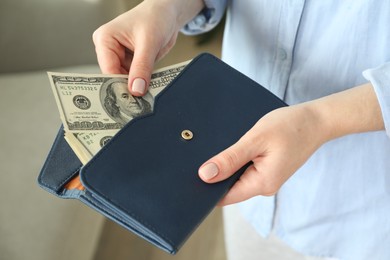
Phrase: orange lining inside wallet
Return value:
(75, 184)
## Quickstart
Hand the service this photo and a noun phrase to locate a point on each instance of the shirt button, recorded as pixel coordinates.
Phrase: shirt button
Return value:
(200, 20)
(282, 54)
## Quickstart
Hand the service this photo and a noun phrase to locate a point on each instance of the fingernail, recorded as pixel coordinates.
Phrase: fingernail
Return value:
(138, 85)
(208, 171)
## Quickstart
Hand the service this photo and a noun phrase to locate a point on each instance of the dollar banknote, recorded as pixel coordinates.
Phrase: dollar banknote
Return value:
(86, 145)
(92, 102)
(94, 107)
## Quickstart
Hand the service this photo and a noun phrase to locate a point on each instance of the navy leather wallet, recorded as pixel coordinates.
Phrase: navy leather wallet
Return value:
(146, 177)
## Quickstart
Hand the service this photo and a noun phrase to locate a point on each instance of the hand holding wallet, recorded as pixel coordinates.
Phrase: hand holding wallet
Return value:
(146, 177)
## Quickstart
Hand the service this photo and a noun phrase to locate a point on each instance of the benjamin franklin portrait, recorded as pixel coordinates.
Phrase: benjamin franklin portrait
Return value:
(120, 104)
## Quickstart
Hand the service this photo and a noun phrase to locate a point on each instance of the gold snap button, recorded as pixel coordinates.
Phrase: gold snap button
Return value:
(187, 135)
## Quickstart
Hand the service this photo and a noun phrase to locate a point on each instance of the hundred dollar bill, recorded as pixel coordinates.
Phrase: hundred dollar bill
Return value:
(96, 102)
(78, 148)
(86, 145)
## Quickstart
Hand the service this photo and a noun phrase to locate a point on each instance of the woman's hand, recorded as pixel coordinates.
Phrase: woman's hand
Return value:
(278, 144)
(282, 141)
(134, 41)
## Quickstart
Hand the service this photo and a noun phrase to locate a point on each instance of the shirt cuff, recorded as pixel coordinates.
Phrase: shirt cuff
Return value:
(207, 19)
(380, 79)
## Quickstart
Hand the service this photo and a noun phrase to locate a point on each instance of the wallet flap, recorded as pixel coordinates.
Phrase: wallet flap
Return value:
(60, 166)
(149, 172)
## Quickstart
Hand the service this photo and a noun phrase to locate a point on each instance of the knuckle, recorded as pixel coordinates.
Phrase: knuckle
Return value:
(142, 68)
(172, 41)
(100, 34)
(143, 65)
(230, 159)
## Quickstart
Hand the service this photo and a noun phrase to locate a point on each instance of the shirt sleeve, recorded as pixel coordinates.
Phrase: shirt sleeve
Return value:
(207, 19)
(380, 79)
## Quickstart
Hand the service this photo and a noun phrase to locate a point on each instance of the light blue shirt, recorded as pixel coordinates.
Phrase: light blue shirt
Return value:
(338, 203)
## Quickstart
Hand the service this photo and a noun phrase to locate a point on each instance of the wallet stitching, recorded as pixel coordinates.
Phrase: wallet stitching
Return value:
(104, 210)
(136, 217)
(126, 223)
(55, 187)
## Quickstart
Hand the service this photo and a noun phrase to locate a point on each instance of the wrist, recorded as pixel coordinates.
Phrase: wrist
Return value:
(183, 11)
(355, 110)
(318, 122)
(188, 10)
(314, 128)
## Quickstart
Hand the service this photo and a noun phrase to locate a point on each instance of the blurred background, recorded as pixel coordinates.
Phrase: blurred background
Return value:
(56, 35)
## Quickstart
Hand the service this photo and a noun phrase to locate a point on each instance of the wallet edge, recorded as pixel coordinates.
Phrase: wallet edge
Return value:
(55, 189)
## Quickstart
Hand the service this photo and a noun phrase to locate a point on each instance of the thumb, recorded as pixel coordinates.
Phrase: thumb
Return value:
(226, 163)
(141, 70)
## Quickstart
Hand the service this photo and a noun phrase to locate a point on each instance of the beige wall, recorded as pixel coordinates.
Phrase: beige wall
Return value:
(43, 34)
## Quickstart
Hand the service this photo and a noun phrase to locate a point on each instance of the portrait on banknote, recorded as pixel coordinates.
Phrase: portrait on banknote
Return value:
(120, 105)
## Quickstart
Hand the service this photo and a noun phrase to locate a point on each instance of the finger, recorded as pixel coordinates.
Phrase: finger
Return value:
(109, 63)
(127, 60)
(226, 163)
(243, 189)
(253, 182)
(141, 68)
(107, 52)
